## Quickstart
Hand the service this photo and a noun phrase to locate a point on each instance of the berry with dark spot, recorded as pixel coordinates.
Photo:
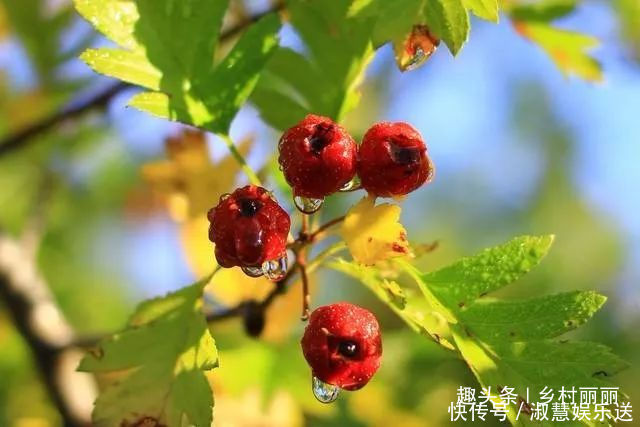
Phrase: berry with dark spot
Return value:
(342, 345)
(248, 228)
(393, 160)
(317, 157)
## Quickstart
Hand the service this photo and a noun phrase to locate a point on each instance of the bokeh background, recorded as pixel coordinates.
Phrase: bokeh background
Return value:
(519, 149)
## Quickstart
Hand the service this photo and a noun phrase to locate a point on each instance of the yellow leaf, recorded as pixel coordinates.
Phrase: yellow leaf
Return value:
(568, 49)
(374, 233)
(188, 180)
(250, 409)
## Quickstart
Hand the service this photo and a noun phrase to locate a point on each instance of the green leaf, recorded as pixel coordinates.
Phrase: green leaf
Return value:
(396, 19)
(485, 9)
(288, 112)
(179, 64)
(418, 316)
(155, 367)
(543, 317)
(130, 66)
(324, 80)
(115, 19)
(472, 277)
(511, 343)
(448, 20)
(545, 10)
(567, 49)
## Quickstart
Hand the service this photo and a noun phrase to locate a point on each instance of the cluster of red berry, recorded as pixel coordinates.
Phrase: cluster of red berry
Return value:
(319, 157)
(250, 229)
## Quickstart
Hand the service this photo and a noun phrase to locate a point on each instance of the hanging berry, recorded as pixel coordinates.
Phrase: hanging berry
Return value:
(318, 157)
(342, 345)
(250, 229)
(393, 160)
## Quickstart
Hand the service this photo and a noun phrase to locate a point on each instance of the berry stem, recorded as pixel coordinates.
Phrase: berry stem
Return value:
(250, 173)
(301, 259)
(324, 227)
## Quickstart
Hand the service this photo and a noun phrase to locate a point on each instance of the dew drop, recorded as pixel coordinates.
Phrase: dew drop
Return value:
(252, 271)
(306, 205)
(416, 48)
(224, 197)
(325, 393)
(352, 185)
(275, 269)
(416, 60)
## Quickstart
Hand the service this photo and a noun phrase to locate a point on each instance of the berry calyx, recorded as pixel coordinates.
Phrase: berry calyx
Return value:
(317, 157)
(342, 344)
(393, 160)
(248, 228)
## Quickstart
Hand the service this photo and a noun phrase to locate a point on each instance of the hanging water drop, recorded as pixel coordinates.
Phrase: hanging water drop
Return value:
(276, 269)
(306, 205)
(416, 48)
(252, 271)
(325, 393)
(352, 185)
(415, 60)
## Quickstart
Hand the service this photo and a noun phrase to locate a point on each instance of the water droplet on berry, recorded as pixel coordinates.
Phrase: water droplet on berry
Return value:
(252, 271)
(275, 269)
(307, 205)
(224, 197)
(325, 393)
(352, 185)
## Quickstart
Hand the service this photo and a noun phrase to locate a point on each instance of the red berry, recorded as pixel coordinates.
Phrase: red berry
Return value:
(317, 156)
(248, 228)
(393, 160)
(342, 345)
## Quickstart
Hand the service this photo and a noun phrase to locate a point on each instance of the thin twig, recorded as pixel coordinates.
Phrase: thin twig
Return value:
(25, 136)
(324, 227)
(280, 287)
(301, 259)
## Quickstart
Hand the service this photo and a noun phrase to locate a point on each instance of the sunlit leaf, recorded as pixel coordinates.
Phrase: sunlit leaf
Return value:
(449, 21)
(389, 290)
(485, 9)
(419, 317)
(374, 233)
(472, 277)
(544, 10)
(178, 65)
(512, 343)
(160, 359)
(325, 78)
(567, 49)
